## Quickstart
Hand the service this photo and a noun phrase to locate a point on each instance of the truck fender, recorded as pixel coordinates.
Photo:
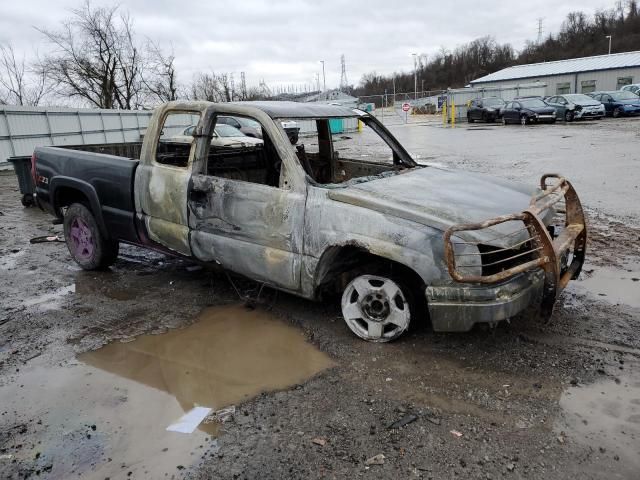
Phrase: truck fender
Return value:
(87, 190)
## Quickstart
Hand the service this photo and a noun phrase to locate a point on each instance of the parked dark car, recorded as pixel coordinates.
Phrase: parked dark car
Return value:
(618, 103)
(574, 106)
(528, 110)
(487, 109)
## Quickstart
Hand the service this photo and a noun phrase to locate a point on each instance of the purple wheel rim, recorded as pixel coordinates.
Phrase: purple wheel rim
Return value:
(81, 239)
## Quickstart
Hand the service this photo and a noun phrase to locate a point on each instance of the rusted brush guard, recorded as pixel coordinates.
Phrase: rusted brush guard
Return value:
(559, 255)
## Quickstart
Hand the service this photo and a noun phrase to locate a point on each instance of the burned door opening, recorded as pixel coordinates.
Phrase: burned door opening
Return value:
(241, 217)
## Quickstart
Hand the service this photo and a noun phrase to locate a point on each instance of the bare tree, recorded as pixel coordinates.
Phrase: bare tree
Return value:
(19, 84)
(160, 78)
(211, 87)
(96, 58)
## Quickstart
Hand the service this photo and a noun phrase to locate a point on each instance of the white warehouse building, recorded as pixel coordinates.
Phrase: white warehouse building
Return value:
(576, 75)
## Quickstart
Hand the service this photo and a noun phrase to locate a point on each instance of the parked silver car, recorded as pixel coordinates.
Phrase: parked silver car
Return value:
(574, 106)
(633, 88)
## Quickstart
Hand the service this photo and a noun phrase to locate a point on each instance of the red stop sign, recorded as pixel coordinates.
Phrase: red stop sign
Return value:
(405, 107)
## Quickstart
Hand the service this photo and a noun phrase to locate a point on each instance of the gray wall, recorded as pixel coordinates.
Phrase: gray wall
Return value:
(24, 128)
(605, 80)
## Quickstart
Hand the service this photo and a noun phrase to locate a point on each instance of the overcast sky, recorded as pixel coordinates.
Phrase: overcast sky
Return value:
(283, 41)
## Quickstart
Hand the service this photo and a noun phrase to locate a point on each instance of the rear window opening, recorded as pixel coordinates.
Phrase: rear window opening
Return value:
(338, 150)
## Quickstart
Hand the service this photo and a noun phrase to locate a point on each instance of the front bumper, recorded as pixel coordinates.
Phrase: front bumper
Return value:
(631, 110)
(539, 262)
(584, 113)
(458, 307)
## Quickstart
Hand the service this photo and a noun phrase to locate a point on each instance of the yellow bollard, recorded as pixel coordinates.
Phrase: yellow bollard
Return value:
(359, 125)
(453, 114)
(444, 113)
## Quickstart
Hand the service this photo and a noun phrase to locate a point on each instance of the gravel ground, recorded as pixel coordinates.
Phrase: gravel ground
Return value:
(523, 400)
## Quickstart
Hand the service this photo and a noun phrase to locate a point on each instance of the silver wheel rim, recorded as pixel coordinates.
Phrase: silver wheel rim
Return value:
(375, 308)
(504, 122)
(523, 120)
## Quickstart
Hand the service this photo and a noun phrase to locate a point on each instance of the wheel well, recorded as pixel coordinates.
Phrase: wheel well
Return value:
(65, 196)
(337, 262)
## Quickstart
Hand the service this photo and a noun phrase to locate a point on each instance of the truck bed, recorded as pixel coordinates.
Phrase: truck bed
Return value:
(96, 172)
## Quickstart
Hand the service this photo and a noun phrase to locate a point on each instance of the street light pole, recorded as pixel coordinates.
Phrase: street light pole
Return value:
(324, 79)
(415, 76)
(609, 37)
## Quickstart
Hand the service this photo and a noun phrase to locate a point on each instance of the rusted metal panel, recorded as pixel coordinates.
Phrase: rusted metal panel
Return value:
(544, 251)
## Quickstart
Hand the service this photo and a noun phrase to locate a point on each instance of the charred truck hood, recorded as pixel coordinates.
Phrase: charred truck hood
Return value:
(440, 198)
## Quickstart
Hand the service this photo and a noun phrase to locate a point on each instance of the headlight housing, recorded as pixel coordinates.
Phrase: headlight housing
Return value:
(468, 258)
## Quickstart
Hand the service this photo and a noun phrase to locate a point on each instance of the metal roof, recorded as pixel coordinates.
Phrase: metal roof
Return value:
(561, 67)
(276, 109)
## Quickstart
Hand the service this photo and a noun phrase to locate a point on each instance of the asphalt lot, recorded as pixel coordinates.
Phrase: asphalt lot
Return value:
(524, 400)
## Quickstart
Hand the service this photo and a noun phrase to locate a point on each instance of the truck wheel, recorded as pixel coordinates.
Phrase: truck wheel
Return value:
(88, 247)
(27, 200)
(377, 308)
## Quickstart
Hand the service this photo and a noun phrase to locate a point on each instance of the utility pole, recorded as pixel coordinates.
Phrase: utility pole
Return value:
(394, 89)
(324, 78)
(243, 86)
(415, 76)
(609, 37)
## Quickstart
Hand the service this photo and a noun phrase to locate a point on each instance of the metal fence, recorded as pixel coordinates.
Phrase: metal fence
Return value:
(389, 105)
(24, 128)
(461, 97)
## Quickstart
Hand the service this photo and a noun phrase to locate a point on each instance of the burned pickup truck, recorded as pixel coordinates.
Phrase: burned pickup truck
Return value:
(346, 211)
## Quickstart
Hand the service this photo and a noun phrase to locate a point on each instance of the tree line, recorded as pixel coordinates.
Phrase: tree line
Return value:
(579, 36)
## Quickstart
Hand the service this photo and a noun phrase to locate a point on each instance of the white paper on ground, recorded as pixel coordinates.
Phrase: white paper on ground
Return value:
(190, 420)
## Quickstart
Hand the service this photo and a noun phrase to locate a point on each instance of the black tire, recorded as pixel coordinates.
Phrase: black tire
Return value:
(27, 200)
(568, 116)
(504, 121)
(616, 112)
(469, 119)
(553, 121)
(87, 246)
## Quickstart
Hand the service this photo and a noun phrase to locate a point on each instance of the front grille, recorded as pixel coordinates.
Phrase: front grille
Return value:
(496, 259)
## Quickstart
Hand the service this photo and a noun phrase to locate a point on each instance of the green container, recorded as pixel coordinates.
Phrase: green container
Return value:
(336, 125)
(22, 167)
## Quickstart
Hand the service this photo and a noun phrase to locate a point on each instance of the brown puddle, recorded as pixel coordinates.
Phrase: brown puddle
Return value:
(133, 391)
(606, 417)
(232, 353)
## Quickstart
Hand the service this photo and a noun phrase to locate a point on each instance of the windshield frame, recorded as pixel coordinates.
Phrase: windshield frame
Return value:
(224, 126)
(583, 97)
(526, 103)
(628, 94)
(492, 102)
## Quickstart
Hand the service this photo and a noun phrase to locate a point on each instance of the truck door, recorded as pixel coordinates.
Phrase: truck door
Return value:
(245, 215)
(162, 179)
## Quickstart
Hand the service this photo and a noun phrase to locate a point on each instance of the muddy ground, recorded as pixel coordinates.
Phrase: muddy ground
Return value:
(523, 400)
